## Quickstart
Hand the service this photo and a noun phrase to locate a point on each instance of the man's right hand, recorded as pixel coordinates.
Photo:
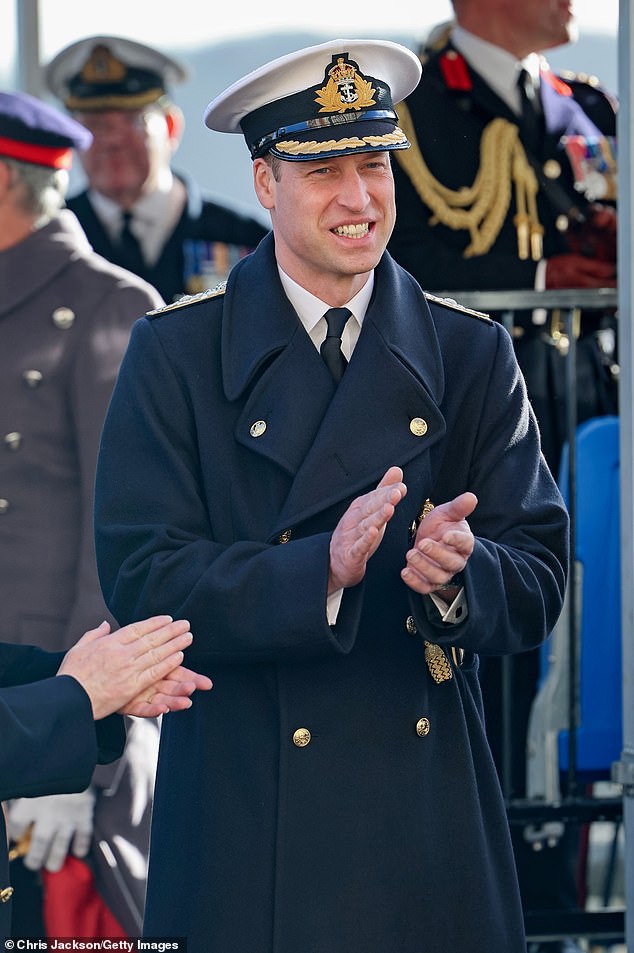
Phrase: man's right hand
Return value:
(360, 530)
(577, 271)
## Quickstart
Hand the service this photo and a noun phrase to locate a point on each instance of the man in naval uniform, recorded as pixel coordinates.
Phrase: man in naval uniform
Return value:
(135, 211)
(65, 319)
(339, 481)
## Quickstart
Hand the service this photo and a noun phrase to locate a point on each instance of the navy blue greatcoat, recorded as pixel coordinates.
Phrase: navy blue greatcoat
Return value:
(386, 832)
(49, 743)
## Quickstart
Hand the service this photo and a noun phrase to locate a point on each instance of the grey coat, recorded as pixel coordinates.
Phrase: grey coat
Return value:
(65, 319)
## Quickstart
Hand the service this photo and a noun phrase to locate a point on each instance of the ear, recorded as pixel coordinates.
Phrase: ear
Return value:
(175, 125)
(5, 177)
(264, 183)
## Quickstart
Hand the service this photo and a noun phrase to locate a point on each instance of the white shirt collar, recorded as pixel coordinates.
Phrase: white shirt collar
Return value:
(311, 310)
(496, 66)
(154, 215)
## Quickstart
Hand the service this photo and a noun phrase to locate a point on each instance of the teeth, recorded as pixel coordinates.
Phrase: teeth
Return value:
(352, 231)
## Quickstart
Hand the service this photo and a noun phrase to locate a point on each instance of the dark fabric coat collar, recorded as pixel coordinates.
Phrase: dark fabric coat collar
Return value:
(258, 326)
(34, 263)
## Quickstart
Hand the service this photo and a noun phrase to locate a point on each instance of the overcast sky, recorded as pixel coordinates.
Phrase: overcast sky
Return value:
(192, 23)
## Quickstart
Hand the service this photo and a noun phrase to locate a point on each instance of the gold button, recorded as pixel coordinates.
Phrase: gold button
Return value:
(285, 536)
(258, 428)
(63, 318)
(451, 55)
(410, 625)
(32, 378)
(13, 440)
(561, 223)
(5, 894)
(301, 737)
(552, 169)
(418, 426)
(422, 727)
(4, 506)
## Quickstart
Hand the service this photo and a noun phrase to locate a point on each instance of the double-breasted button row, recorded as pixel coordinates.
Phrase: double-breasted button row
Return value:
(417, 426)
(5, 894)
(303, 737)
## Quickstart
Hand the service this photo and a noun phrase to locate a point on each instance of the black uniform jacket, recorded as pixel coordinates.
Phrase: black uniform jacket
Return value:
(328, 796)
(50, 744)
(207, 238)
(449, 123)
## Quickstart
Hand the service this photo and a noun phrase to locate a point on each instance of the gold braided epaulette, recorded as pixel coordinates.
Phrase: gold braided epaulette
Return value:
(456, 306)
(190, 299)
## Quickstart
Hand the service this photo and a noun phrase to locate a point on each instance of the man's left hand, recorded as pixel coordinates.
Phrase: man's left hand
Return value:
(444, 542)
(169, 694)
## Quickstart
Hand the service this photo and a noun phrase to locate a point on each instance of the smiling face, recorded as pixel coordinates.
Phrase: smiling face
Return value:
(332, 219)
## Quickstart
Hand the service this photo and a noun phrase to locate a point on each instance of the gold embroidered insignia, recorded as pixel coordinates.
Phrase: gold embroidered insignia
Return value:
(345, 89)
(102, 67)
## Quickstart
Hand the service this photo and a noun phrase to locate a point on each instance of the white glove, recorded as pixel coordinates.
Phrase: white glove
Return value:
(56, 821)
(141, 754)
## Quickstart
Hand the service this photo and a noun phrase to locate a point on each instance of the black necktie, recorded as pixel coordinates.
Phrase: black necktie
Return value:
(130, 255)
(331, 348)
(531, 119)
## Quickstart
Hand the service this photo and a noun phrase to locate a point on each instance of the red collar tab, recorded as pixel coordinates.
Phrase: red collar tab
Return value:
(557, 84)
(455, 71)
(53, 157)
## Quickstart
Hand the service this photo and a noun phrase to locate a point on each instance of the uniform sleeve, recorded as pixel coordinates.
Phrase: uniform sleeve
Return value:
(50, 743)
(515, 579)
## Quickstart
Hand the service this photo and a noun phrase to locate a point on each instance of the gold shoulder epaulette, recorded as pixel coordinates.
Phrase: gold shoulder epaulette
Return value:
(190, 299)
(456, 306)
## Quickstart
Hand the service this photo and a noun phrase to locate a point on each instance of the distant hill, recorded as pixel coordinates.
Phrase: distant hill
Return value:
(221, 163)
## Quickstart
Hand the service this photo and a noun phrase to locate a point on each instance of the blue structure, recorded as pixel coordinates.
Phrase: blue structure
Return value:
(598, 562)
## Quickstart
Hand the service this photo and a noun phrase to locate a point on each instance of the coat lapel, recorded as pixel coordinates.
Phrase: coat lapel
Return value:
(271, 364)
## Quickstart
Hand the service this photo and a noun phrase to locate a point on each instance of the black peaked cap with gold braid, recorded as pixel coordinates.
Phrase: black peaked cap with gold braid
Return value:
(111, 72)
(333, 99)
